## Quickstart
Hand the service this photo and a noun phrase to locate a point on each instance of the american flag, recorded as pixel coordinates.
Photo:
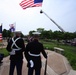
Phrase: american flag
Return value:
(1, 33)
(31, 3)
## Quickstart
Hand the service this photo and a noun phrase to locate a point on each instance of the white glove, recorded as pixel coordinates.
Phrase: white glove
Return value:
(31, 63)
(12, 52)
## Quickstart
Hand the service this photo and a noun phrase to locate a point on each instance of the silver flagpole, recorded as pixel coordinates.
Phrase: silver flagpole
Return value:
(53, 21)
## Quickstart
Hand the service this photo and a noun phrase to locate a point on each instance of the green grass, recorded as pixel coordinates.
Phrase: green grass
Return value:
(4, 51)
(69, 51)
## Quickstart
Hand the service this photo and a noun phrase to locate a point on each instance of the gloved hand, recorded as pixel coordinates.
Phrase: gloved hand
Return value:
(31, 63)
(12, 52)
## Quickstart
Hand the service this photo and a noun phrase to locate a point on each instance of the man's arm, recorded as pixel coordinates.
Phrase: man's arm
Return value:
(26, 52)
(43, 52)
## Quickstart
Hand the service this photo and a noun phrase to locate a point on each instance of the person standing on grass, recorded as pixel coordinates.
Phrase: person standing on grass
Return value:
(16, 47)
(33, 57)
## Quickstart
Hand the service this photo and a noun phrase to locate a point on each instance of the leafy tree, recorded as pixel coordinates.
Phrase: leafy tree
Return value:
(46, 34)
(7, 33)
(58, 35)
(40, 30)
(4, 33)
(31, 33)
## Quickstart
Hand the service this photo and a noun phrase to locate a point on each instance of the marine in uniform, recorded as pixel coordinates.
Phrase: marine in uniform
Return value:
(16, 47)
(32, 54)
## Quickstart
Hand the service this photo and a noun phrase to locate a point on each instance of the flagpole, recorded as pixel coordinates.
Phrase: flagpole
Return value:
(53, 21)
(15, 26)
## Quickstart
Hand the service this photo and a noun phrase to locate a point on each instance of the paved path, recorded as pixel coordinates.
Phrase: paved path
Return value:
(57, 65)
(4, 69)
(72, 72)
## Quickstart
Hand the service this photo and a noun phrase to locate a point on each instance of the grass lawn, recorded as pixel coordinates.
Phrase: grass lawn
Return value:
(69, 51)
(4, 51)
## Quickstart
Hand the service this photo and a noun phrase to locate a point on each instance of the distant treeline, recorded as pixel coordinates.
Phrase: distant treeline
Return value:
(45, 34)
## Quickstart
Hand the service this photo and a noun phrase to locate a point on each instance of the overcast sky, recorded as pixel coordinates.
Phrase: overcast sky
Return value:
(63, 12)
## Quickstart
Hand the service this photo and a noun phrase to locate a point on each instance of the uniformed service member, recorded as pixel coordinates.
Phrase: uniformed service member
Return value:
(32, 54)
(16, 47)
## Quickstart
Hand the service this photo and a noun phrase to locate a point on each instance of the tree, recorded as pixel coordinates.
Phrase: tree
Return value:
(4, 33)
(40, 30)
(7, 33)
(31, 33)
(58, 35)
(46, 34)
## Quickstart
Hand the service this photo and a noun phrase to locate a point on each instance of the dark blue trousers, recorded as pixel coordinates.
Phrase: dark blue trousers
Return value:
(31, 70)
(18, 64)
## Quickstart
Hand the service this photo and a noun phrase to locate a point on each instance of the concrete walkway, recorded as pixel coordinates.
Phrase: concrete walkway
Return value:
(72, 72)
(57, 65)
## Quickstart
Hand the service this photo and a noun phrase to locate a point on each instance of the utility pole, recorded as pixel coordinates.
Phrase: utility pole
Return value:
(53, 21)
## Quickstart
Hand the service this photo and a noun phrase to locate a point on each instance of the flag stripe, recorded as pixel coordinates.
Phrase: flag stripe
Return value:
(1, 33)
(25, 4)
(0, 36)
(37, 5)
